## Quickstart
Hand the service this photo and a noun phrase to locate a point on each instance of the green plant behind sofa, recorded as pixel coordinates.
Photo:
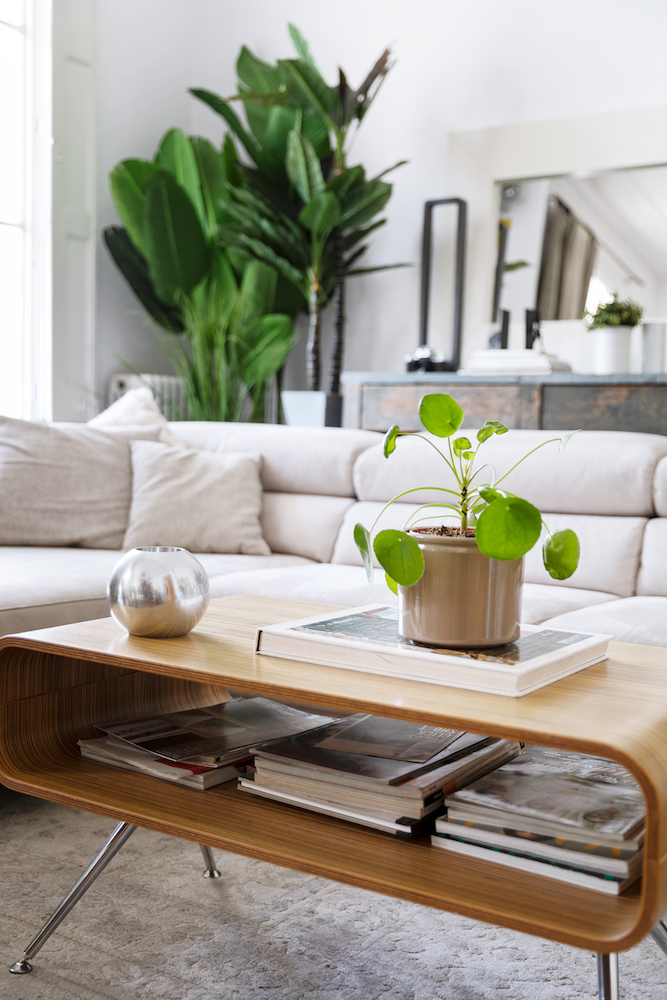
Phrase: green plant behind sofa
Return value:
(170, 253)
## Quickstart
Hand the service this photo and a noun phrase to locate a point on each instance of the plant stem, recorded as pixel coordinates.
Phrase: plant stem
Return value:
(313, 342)
(339, 328)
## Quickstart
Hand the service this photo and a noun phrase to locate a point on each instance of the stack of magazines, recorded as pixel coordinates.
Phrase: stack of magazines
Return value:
(382, 773)
(199, 747)
(568, 816)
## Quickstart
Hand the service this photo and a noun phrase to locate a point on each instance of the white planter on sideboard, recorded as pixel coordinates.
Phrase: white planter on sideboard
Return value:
(304, 408)
(611, 349)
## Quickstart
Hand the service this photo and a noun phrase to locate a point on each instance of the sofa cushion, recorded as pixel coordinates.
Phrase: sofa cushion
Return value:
(540, 601)
(610, 553)
(201, 501)
(635, 619)
(652, 578)
(67, 485)
(295, 459)
(303, 523)
(40, 587)
(660, 488)
(599, 472)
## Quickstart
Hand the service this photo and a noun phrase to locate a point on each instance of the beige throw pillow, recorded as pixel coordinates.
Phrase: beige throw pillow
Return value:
(135, 408)
(67, 485)
(199, 500)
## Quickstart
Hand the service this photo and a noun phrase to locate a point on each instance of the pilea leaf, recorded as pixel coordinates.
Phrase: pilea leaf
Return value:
(440, 414)
(508, 528)
(400, 556)
(460, 445)
(561, 554)
(393, 586)
(362, 539)
(389, 443)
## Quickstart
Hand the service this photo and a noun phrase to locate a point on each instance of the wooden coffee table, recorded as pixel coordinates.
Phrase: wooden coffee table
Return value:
(56, 683)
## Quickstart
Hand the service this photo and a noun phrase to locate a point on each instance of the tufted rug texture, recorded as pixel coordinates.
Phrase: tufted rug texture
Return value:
(151, 928)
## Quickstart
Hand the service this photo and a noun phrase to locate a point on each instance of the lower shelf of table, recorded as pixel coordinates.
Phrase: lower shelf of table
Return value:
(225, 818)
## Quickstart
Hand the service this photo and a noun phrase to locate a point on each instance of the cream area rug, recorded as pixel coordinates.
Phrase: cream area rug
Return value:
(151, 928)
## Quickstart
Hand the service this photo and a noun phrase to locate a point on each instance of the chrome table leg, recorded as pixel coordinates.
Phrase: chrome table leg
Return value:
(113, 845)
(659, 935)
(211, 870)
(608, 988)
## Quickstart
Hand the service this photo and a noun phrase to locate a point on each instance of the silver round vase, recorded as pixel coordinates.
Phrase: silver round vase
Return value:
(158, 591)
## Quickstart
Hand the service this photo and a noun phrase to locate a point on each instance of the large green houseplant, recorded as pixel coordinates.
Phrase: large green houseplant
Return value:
(301, 208)
(459, 585)
(171, 254)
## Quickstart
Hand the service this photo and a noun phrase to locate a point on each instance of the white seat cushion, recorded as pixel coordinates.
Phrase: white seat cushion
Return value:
(634, 619)
(540, 601)
(40, 587)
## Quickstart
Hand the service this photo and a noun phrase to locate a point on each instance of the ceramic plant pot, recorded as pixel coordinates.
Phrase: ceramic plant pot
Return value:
(611, 349)
(464, 599)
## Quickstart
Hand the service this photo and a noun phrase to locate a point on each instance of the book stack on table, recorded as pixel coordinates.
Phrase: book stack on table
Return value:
(571, 817)
(202, 747)
(383, 773)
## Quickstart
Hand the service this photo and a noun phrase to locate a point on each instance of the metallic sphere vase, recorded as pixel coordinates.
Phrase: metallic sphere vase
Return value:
(158, 591)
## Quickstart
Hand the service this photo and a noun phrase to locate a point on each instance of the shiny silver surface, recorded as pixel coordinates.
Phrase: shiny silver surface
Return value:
(211, 870)
(608, 987)
(158, 592)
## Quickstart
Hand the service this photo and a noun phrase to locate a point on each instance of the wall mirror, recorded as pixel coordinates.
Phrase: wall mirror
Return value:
(583, 202)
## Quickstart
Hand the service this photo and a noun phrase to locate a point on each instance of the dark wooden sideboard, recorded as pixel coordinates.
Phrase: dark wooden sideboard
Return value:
(375, 401)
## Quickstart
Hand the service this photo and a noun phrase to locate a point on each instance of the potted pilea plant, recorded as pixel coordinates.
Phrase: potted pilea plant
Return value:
(460, 585)
(611, 325)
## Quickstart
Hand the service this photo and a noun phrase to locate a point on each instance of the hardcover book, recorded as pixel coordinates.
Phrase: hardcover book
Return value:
(368, 639)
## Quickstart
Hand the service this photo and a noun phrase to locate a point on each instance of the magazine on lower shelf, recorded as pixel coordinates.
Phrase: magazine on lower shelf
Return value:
(110, 750)
(568, 816)
(216, 734)
(367, 639)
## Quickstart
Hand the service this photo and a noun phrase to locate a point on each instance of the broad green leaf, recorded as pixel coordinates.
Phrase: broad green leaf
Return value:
(468, 455)
(255, 74)
(321, 215)
(508, 528)
(279, 124)
(389, 443)
(128, 182)
(499, 427)
(362, 540)
(357, 235)
(347, 179)
(489, 494)
(303, 166)
(364, 201)
(400, 556)
(306, 87)
(176, 156)
(316, 128)
(560, 553)
(251, 247)
(393, 586)
(460, 445)
(440, 414)
(134, 269)
(177, 253)
(566, 437)
(275, 339)
(212, 180)
(258, 287)
(231, 162)
(301, 45)
(221, 107)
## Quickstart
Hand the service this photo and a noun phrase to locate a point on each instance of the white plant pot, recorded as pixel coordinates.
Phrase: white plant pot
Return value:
(611, 349)
(304, 408)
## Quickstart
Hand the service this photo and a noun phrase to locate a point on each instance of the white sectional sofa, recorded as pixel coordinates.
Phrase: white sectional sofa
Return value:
(610, 487)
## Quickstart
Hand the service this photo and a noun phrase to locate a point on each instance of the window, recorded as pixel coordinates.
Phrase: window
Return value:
(25, 208)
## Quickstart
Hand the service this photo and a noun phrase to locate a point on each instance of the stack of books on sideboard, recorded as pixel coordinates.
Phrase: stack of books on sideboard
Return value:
(571, 817)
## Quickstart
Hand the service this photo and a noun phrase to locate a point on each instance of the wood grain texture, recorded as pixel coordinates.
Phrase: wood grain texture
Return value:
(640, 408)
(78, 674)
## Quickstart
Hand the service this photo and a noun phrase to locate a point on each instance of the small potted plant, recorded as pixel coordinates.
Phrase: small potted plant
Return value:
(460, 585)
(612, 323)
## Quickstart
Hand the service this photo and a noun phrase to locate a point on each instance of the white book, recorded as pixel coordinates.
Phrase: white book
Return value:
(367, 639)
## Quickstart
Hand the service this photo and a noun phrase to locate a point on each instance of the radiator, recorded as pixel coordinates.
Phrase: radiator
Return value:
(167, 390)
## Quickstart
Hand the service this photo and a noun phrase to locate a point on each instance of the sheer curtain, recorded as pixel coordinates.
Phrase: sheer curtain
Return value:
(25, 206)
(568, 255)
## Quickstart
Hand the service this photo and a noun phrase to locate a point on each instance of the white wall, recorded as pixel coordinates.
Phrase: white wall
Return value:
(458, 66)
